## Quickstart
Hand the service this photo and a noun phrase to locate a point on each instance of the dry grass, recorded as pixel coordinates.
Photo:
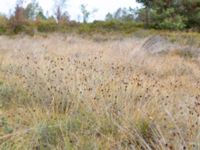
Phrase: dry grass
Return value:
(64, 92)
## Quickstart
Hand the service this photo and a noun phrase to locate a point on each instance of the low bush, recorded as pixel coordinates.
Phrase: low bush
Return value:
(3, 24)
(47, 26)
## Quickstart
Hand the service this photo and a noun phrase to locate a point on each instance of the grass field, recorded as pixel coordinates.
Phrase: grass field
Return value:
(62, 91)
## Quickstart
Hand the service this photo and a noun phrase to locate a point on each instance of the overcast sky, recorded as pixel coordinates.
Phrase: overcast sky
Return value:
(73, 6)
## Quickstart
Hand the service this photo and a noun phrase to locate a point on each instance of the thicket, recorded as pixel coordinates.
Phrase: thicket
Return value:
(170, 14)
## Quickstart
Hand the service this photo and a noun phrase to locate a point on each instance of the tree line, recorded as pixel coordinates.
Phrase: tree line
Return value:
(158, 14)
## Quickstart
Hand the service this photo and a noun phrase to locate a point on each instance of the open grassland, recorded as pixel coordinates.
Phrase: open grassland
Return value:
(67, 92)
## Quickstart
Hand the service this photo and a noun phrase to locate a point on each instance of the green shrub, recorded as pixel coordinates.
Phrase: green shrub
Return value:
(84, 28)
(18, 28)
(47, 26)
(30, 29)
(3, 24)
(173, 23)
(109, 27)
(2, 30)
(25, 27)
(168, 19)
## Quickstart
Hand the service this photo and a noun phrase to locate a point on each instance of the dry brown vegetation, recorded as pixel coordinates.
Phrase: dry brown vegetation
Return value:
(67, 92)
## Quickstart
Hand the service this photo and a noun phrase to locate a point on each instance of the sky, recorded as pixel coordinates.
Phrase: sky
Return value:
(73, 6)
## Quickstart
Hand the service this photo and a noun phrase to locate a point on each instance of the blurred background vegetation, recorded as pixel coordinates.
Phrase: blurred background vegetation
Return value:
(155, 14)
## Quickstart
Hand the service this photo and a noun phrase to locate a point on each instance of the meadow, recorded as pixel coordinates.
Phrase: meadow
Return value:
(68, 91)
